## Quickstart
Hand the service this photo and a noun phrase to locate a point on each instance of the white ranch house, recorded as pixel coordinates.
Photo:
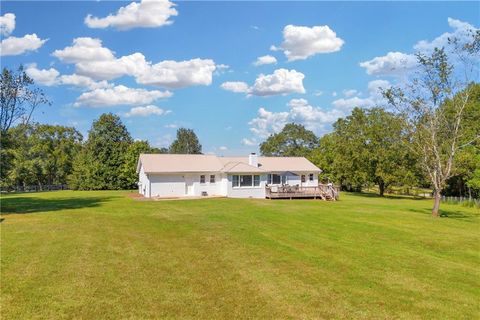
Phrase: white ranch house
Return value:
(182, 175)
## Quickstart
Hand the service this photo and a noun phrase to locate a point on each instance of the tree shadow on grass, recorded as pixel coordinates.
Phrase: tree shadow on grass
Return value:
(25, 205)
(450, 214)
(386, 196)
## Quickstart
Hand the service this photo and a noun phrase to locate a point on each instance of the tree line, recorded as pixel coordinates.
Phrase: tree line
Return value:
(43, 154)
(427, 134)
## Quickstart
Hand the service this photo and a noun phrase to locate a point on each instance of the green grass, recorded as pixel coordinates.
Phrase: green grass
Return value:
(102, 255)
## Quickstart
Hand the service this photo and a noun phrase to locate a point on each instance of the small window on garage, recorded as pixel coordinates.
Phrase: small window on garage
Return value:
(310, 177)
(212, 178)
(202, 178)
(303, 178)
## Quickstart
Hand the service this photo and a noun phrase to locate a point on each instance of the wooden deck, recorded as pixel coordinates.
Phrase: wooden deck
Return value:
(322, 191)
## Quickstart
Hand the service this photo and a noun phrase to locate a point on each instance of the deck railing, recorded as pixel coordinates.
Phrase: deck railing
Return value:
(322, 191)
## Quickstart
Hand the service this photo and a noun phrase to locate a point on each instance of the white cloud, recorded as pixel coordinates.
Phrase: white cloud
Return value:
(235, 86)
(146, 14)
(268, 59)
(7, 24)
(51, 77)
(249, 142)
(223, 148)
(173, 74)
(393, 63)
(281, 82)
(403, 64)
(149, 110)
(268, 122)
(350, 93)
(84, 49)
(300, 111)
(460, 31)
(374, 98)
(301, 42)
(83, 82)
(44, 77)
(13, 46)
(318, 93)
(119, 95)
(171, 126)
(93, 60)
(334, 93)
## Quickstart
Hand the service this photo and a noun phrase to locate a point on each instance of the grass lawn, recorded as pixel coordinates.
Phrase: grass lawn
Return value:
(103, 255)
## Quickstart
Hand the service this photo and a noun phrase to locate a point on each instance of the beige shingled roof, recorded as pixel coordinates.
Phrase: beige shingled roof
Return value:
(173, 163)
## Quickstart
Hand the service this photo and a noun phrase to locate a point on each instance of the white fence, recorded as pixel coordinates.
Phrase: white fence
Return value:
(471, 202)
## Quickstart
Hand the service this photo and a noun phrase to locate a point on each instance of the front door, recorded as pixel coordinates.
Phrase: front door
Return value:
(189, 185)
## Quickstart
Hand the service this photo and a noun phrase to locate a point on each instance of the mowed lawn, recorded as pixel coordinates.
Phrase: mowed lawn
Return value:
(103, 255)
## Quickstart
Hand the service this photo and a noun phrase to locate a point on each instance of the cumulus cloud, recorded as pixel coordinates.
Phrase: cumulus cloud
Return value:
(281, 82)
(300, 42)
(84, 49)
(146, 14)
(13, 46)
(249, 142)
(223, 148)
(7, 24)
(350, 93)
(460, 31)
(268, 59)
(374, 98)
(403, 64)
(46, 77)
(146, 111)
(119, 95)
(300, 111)
(93, 60)
(51, 77)
(393, 63)
(173, 74)
(235, 86)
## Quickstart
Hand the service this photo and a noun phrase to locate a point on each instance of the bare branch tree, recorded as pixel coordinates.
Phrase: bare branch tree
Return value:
(433, 105)
(18, 98)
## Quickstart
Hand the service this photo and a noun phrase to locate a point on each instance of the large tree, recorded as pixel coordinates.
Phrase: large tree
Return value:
(186, 142)
(433, 105)
(293, 141)
(367, 147)
(99, 165)
(42, 154)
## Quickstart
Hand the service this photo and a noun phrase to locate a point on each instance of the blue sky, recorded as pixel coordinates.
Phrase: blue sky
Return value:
(192, 64)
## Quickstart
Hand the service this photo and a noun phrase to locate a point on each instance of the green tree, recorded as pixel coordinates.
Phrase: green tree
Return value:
(18, 100)
(434, 104)
(99, 165)
(42, 154)
(366, 147)
(186, 142)
(293, 141)
(128, 170)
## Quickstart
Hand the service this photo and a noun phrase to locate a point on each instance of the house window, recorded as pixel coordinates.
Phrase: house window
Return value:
(202, 178)
(303, 178)
(235, 181)
(276, 179)
(310, 177)
(246, 181)
(256, 181)
(212, 178)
